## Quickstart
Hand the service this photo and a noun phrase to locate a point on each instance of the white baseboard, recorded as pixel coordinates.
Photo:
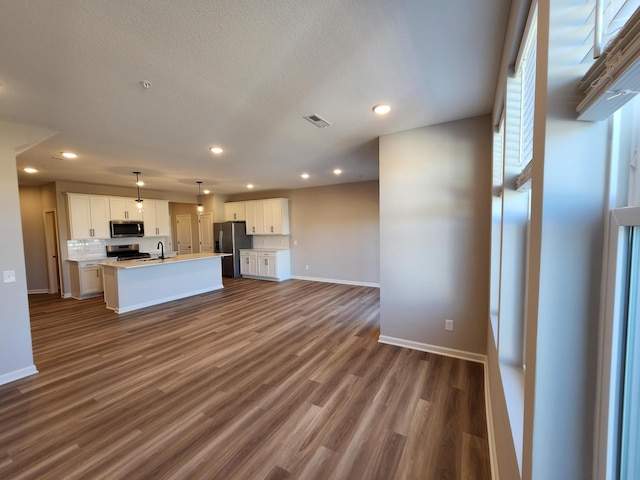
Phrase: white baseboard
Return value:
(18, 374)
(37, 291)
(333, 280)
(425, 347)
(66, 295)
(493, 451)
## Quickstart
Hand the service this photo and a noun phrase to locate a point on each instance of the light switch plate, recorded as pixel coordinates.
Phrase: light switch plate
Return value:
(9, 276)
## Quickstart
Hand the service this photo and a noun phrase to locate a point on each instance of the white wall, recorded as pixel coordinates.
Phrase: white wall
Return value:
(16, 358)
(435, 217)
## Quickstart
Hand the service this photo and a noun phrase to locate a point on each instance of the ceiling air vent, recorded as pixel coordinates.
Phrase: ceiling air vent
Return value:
(317, 120)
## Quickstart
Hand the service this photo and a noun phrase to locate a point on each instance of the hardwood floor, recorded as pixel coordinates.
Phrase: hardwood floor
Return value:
(261, 380)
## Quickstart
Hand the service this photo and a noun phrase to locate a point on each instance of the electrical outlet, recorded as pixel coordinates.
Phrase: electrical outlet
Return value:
(448, 325)
(9, 276)
(306, 267)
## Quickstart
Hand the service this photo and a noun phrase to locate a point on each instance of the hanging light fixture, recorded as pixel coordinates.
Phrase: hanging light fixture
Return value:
(138, 183)
(200, 205)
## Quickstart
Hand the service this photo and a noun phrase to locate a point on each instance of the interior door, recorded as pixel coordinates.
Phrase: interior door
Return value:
(205, 224)
(183, 232)
(51, 250)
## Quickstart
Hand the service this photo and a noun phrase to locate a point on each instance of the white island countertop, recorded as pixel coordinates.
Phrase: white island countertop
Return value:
(150, 262)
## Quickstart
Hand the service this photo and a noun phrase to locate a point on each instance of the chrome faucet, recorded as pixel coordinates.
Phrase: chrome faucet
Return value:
(161, 245)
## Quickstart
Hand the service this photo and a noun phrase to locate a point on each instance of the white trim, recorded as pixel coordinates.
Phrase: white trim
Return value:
(18, 374)
(158, 301)
(66, 295)
(425, 347)
(333, 280)
(38, 290)
(491, 434)
(609, 330)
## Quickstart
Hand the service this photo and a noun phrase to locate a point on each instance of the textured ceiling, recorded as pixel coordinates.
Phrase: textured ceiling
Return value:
(239, 74)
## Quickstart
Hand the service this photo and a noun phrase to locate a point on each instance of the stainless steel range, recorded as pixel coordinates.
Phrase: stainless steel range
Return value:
(126, 252)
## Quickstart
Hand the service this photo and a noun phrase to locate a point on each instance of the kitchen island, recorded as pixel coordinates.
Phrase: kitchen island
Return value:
(134, 284)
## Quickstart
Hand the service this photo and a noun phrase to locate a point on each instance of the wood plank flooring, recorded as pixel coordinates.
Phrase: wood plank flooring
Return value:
(261, 380)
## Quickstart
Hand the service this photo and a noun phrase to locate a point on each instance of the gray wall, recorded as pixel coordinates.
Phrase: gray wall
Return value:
(567, 227)
(33, 233)
(16, 358)
(334, 230)
(435, 218)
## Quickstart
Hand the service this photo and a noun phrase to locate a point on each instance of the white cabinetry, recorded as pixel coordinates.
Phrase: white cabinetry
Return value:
(254, 217)
(234, 211)
(267, 217)
(156, 218)
(276, 216)
(265, 264)
(125, 208)
(248, 263)
(88, 216)
(86, 278)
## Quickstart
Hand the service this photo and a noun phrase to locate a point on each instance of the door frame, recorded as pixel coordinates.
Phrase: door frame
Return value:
(52, 246)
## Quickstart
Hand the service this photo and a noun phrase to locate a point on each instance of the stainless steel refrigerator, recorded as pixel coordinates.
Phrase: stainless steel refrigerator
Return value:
(230, 237)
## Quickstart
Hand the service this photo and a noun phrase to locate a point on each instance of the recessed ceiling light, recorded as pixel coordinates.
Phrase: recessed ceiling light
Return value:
(206, 192)
(337, 171)
(249, 185)
(69, 155)
(216, 150)
(30, 170)
(382, 109)
(305, 175)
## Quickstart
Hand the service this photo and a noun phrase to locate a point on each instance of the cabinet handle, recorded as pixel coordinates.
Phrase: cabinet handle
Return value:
(254, 229)
(266, 262)
(271, 229)
(234, 216)
(97, 273)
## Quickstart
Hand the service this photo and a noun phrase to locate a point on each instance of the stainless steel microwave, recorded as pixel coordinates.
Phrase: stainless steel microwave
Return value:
(126, 228)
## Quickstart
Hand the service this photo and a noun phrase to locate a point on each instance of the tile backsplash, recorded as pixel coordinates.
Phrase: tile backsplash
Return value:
(271, 241)
(96, 247)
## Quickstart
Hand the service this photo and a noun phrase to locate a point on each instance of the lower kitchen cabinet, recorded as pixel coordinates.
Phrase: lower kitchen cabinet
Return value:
(265, 264)
(86, 278)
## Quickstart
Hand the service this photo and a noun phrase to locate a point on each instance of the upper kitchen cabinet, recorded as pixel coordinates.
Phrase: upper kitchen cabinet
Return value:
(254, 217)
(125, 208)
(268, 217)
(88, 216)
(276, 216)
(156, 218)
(234, 211)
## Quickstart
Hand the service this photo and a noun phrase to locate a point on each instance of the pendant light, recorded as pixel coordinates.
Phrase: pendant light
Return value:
(200, 206)
(138, 183)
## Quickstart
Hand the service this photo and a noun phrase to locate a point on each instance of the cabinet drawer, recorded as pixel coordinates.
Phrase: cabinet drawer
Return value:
(267, 254)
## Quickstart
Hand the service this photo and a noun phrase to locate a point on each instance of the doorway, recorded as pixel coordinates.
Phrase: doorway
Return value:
(183, 234)
(205, 229)
(51, 250)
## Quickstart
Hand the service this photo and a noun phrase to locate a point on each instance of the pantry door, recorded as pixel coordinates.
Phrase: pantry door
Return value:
(205, 224)
(183, 231)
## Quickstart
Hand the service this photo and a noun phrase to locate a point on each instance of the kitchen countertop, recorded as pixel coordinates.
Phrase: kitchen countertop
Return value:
(190, 257)
(89, 259)
(262, 249)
